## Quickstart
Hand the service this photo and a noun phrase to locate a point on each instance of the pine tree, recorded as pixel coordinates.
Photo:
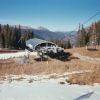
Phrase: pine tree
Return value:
(81, 37)
(19, 37)
(78, 39)
(0, 37)
(98, 32)
(3, 40)
(68, 44)
(6, 33)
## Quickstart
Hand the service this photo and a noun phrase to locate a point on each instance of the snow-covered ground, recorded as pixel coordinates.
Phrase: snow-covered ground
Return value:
(44, 88)
(17, 54)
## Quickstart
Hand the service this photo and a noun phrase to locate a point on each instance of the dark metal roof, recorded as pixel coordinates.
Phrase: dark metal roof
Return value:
(35, 41)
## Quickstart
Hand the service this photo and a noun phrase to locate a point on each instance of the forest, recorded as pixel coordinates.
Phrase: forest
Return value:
(13, 37)
(88, 35)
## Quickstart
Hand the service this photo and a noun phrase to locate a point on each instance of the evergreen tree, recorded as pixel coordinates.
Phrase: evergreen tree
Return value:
(0, 37)
(98, 32)
(3, 40)
(78, 39)
(68, 44)
(6, 35)
(0, 28)
(81, 37)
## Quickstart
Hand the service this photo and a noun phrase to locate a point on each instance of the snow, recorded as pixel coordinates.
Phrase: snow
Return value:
(12, 55)
(17, 54)
(44, 88)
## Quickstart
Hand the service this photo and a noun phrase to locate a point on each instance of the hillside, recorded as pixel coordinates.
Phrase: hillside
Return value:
(83, 51)
(47, 34)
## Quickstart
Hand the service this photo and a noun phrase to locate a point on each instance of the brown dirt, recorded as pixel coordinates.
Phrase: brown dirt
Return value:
(9, 51)
(85, 78)
(55, 66)
(52, 66)
(83, 51)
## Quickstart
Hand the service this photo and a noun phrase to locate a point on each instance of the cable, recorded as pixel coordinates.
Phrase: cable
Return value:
(91, 18)
(86, 21)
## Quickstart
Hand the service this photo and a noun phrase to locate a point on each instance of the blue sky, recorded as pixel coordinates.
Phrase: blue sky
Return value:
(62, 15)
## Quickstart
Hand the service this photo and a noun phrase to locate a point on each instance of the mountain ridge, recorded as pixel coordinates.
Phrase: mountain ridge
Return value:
(46, 34)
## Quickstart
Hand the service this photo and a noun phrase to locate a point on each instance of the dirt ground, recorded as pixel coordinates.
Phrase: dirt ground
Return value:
(9, 51)
(52, 66)
(83, 51)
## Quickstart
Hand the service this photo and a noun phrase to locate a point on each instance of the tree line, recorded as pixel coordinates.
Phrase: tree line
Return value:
(13, 37)
(66, 44)
(88, 35)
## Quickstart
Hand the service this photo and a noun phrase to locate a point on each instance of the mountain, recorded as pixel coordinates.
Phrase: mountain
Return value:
(46, 34)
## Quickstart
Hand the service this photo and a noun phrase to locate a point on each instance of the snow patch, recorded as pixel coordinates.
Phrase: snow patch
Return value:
(44, 88)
